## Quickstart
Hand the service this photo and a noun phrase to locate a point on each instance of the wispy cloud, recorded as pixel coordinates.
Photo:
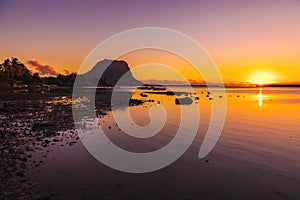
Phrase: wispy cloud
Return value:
(163, 82)
(66, 71)
(42, 69)
(171, 82)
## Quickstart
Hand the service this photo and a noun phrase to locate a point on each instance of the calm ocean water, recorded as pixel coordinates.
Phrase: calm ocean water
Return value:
(256, 156)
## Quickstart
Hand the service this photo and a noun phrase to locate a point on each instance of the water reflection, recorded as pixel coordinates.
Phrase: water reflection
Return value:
(260, 98)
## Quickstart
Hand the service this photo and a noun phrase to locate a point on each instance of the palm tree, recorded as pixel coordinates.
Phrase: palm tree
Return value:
(12, 70)
(1, 69)
(5, 71)
(6, 66)
(15, 67)
(15, 61)
(18, 68)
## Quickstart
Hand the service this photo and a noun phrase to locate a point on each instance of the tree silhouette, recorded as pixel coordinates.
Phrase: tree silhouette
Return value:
(6, 65)
(12, 70)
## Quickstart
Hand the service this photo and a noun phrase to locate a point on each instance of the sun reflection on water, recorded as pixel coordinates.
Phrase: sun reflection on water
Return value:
(260, 98)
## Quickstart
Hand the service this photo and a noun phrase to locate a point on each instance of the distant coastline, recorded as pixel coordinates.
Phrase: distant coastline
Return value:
(238, 86)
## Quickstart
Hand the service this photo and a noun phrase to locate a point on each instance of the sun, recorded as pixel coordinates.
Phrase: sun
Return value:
(262, 78)
(260, 82)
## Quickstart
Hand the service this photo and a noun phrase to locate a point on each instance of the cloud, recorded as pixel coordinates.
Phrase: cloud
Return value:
(66, 71)
(42, 69)
(163, 82)
(192, 81)
(172, 82)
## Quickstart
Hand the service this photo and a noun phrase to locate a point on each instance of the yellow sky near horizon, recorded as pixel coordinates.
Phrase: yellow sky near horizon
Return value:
(254, 72)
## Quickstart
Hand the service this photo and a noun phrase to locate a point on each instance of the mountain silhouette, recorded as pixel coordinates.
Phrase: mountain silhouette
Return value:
(112, 71)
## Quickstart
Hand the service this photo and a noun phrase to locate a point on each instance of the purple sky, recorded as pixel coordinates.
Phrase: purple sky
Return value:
(236, 33)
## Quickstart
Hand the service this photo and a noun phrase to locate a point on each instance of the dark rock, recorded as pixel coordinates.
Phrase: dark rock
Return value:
(143, 95)
(72, 143)
(20, 174)
(183, 101)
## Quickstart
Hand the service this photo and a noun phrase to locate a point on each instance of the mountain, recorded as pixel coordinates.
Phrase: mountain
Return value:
(112, 71)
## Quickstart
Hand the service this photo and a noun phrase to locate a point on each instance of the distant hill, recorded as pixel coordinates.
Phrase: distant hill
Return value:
(115, 69)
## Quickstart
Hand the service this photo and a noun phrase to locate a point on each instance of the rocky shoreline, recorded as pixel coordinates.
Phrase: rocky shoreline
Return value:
(30, 124)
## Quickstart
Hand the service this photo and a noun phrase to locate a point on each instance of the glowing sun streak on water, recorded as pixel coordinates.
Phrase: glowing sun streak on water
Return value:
(260, 98)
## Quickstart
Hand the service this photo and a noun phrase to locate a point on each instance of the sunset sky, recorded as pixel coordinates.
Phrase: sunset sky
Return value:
(256, 41)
